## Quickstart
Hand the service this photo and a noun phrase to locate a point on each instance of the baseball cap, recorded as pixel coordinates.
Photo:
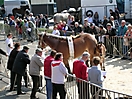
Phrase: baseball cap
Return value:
(85, 54)
(39, 50)
(25, 47)
(108, 24)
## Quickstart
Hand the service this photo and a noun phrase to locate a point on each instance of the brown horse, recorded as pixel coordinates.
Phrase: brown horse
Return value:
(81, 43)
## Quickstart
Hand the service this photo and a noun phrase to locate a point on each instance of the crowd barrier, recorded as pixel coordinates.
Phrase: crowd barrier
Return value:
(118, 46)
(89, 90)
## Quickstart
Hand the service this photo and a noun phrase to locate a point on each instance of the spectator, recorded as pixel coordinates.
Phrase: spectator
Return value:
(60, 25)
(65, 28)
(11, 21)
(69, 20)
(77, 29)
(10, 63)
(3, 11)
(42, 21)
(120, 33)
(55, 31)
(86, 27)
(9, 43)
(94, 30)
(72, 22)
(19, 67)
(114, 23)
(112, 13)
(6, 20)
(32, 18)
(47, 73)
(37, 21)
(59, 71)
(80, 71)
(90, 19)
(47, 21)
(34, 70)
(101, 34)
(117, 13)
(109, 40)
(105, 21)
(96, 19)
(94, 76)
(128, 39)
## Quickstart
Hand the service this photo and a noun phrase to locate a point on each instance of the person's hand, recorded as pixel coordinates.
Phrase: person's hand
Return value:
(107, 36)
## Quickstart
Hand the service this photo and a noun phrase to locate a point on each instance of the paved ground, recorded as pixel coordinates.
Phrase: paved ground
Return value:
(4, 82)
(119, 73)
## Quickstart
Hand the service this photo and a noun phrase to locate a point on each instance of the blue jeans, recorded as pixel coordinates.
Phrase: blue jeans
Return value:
(48, 88)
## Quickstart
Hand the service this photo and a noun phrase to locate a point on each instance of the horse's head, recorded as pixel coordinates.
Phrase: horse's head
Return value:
(41, 43)
(100, 49)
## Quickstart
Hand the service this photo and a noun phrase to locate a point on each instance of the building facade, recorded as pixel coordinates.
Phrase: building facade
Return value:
(43, 6)
(65, 4)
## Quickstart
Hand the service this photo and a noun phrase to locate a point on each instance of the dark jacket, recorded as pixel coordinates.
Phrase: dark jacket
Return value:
(2, 52)
(77, 30)
(112, 32)
(11, 59)
(42, 21)
(20, 63)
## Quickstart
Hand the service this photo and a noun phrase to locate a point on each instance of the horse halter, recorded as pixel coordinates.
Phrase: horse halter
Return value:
(41, 40)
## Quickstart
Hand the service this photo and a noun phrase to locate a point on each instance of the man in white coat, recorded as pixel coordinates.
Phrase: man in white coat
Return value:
(9, 43)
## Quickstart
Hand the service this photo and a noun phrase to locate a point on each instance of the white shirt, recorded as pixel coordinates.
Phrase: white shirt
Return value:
(7, 42)
(56, 32)
(90, 19)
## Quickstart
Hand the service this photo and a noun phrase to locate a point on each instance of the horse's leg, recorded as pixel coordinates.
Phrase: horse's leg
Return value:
(91, 58)
(102, 64)
(67, 66)
(69, 78)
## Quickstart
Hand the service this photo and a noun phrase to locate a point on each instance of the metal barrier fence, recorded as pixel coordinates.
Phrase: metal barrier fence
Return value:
(80, 89)
(118, 46)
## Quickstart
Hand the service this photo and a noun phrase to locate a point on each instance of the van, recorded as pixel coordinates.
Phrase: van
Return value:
(11, 4)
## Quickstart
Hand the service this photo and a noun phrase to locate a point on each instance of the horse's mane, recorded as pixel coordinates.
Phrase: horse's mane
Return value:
(61, 37)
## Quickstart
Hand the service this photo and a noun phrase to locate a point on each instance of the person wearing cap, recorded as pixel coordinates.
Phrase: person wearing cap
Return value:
(114, 23)
(102, 33)
(34, 70)
(111, 32)
(95, 77)
(94, 30)
(19, 67)
(80, 71)
(86, 27)
(77, 29)
(120, 34)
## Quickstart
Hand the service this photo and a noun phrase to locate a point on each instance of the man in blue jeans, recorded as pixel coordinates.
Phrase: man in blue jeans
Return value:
(47, 73)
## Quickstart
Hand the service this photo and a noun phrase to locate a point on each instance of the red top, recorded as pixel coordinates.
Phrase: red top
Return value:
(80, 69)
(47, 66)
